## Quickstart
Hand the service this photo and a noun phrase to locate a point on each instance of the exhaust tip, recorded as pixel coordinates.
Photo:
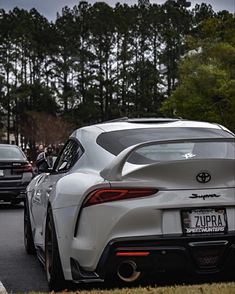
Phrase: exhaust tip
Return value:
(127, 271)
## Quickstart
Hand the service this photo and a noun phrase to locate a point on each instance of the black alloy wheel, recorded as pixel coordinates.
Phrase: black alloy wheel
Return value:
(54, 272)
(28, 236)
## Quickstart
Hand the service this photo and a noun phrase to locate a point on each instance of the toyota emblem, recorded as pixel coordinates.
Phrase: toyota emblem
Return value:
(203, 177)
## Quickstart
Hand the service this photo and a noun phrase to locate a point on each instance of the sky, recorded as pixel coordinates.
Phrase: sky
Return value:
(49, 8)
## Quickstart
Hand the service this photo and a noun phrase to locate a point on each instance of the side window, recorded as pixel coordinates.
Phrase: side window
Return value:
(70, 154)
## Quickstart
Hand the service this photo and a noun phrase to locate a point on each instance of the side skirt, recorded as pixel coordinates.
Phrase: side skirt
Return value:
(40, 255)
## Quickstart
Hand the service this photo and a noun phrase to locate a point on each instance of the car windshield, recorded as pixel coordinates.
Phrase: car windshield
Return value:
(11, 153)
(116, 141)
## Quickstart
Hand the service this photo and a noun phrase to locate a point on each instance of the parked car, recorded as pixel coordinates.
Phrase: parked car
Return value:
(133, 197)
(15, 174)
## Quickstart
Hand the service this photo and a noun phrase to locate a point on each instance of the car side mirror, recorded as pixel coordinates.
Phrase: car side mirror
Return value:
(51, 168)
(45, 164)
(53, 161)
(42, 166)
(42, 163)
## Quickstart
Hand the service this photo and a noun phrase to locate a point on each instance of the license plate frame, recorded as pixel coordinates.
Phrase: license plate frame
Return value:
(1, 173)
(204, 221)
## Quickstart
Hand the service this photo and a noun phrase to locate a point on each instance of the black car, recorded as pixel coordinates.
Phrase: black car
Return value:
(15, 173)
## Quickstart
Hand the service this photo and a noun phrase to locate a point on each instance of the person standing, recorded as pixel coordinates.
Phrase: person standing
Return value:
(45, 159)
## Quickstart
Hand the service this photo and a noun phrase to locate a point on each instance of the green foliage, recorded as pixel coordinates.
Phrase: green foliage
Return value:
(206, 91)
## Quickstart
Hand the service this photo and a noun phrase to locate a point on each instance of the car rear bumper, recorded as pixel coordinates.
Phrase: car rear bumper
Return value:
(13, 194)
(192, 255)
(197, 255)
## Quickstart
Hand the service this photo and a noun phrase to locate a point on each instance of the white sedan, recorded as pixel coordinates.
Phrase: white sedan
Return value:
(132, 197)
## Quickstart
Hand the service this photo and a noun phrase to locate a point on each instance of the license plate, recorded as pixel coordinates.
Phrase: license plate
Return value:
(1, 173)
(206, 220)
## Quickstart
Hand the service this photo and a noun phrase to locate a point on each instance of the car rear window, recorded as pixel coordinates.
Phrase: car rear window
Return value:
(116, 141)
(11, 153)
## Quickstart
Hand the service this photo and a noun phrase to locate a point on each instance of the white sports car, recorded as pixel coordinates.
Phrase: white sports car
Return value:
(134, 196)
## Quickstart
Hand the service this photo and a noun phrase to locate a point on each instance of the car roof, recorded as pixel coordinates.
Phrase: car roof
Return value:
(149, 123)
(112, 126)
(143, 123)
(87, 135)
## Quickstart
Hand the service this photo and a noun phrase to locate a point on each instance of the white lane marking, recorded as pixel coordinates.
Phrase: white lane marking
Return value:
(2, 289)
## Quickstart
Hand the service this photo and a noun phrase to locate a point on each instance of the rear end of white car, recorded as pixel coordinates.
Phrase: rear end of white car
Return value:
(170, 207)
(133, 198)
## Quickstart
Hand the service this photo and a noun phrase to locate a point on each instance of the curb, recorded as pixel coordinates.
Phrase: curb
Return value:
(2, 289)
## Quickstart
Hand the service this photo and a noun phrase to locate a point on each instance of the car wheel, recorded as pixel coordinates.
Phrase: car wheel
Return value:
(55, 276)
(28, 236)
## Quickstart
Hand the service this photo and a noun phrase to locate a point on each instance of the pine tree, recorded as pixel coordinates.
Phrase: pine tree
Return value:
(144, 3)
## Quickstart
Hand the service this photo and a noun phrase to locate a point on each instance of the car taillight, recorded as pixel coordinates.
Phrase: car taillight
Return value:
(115, 194)
(23, 168)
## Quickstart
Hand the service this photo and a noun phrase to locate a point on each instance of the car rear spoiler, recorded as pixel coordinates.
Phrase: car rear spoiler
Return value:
(113, 172)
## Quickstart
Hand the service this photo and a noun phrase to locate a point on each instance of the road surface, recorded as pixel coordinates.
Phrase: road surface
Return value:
(19, 272)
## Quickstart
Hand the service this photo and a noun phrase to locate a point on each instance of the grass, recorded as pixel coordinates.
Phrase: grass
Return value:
(214, 288)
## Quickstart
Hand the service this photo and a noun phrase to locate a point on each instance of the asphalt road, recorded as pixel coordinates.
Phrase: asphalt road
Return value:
(19, 272)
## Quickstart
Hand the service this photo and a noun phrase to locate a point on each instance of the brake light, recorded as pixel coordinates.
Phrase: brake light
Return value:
(23, 168)
(109, 195)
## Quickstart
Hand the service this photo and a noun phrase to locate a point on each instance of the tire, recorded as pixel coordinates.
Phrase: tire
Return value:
(55, 276)
(28, 236)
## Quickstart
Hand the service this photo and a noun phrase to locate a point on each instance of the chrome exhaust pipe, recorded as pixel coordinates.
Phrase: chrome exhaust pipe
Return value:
(127, 271)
